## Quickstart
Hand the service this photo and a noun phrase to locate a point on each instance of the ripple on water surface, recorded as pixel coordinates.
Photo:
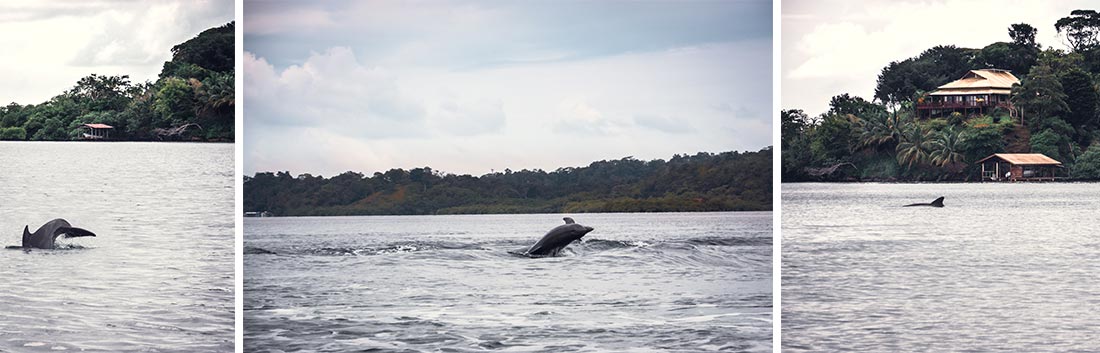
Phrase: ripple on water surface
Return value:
(1003, 267)
(688, 282)
(159, 274)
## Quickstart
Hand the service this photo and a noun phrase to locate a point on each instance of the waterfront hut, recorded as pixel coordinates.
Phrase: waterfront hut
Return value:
(97, 131)
(1019, 167)
(977, 91)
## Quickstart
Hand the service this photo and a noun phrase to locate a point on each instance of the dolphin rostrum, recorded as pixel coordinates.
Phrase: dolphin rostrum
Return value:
(558, 238)
(44, 237)
(936, 203)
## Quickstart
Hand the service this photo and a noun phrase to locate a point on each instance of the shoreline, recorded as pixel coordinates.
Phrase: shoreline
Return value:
(510, 214)
(1073, 181)
(112, 141)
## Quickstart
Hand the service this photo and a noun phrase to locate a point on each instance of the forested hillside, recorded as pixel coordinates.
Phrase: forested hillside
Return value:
(885, 139)
(728, 181)
(192, 99)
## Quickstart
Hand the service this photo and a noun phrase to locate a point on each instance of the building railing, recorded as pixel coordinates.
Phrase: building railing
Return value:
(962, 105)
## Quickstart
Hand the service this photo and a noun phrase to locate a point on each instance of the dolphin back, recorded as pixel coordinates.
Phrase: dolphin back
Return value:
(557, 239)
(935, 203)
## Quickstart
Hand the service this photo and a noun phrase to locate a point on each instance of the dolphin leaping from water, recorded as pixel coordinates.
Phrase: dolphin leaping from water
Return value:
(935, 203)
(44, 237)
(558, 238)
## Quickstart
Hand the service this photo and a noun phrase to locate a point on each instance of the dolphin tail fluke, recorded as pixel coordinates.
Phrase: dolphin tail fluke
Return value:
(938, 202)
(73, 232)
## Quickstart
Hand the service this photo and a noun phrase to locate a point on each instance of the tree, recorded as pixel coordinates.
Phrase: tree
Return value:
(881, 129)
(174, 102)
(1040, 96)
(792, 123)
(914, 147)
(1051, 144)
(1081, 29)
(947, 148)
(212, 50)
(845, 104)
(1088, 165)
(832, 140)
(1023, 35)
(1080, 96)
(99, 93)
(13, 133)
(901, 81)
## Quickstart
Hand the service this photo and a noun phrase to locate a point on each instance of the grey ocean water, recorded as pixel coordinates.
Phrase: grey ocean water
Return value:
(639, 282)
(159, 276)
(1001, 268)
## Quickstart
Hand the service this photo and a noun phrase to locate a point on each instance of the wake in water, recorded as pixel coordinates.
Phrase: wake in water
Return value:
(515, 248)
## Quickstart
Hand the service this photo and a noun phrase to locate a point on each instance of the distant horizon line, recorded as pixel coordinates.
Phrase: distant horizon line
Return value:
(494, 171)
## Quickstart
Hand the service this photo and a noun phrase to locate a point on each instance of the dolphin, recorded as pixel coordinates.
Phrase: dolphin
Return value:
(935, 203)
(44, 237)
(558, 238)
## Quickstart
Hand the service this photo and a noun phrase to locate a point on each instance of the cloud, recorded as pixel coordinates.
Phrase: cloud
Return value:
(464, 117)
(50, 44)
(472, 86)
(331, 90)
(578, 117)
(663, 124)
(834, 47)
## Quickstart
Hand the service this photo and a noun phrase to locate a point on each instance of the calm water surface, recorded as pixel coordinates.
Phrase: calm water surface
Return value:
(1001, 268)
(639, 282)
(159, 275)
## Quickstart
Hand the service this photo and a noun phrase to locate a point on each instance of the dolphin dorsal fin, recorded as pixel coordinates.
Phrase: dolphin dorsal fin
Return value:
(938, 202)
(568, 220)
(26, 233)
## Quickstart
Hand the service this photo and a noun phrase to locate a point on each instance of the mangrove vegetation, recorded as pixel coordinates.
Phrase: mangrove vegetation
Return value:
(728, 181)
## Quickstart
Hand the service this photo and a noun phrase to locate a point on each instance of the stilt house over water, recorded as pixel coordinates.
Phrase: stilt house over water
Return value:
(979, 91)
(1019, 167)
(97, 131)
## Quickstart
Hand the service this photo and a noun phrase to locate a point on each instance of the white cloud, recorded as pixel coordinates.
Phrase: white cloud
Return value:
(835, 47)
(49, 45)
(334, 91)
(499, 85)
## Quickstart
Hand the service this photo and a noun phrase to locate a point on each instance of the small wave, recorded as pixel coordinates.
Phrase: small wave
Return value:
(396, 248)
(731, 241)
(602, 244)
(248, 250)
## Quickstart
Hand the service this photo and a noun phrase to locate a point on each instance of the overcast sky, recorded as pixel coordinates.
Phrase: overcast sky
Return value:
(475, 86)
(47, 45)
(832, 47)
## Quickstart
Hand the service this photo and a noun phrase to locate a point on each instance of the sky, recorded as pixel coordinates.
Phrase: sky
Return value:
(48, 45)
(831, 47)
(470, 87)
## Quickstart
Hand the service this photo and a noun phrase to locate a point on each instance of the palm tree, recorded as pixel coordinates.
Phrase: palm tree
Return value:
(946, 147)
(881, 129)
(914, 146)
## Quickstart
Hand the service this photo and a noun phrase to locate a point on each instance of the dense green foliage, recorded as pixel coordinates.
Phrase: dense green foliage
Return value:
(1059, 97)
(195, 87)
(728, 181)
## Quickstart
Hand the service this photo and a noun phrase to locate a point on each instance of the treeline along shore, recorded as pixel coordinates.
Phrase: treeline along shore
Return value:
(727, 181)
(933, 117)
(191, 100)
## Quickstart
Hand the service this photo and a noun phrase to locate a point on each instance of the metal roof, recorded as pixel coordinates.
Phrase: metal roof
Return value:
(980, 79)
(958, 91)
(1023, 159)
(99, 126)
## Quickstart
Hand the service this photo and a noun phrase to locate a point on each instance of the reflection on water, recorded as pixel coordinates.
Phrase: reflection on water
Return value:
(671, 281)
(159, 275)
(1003, 267)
